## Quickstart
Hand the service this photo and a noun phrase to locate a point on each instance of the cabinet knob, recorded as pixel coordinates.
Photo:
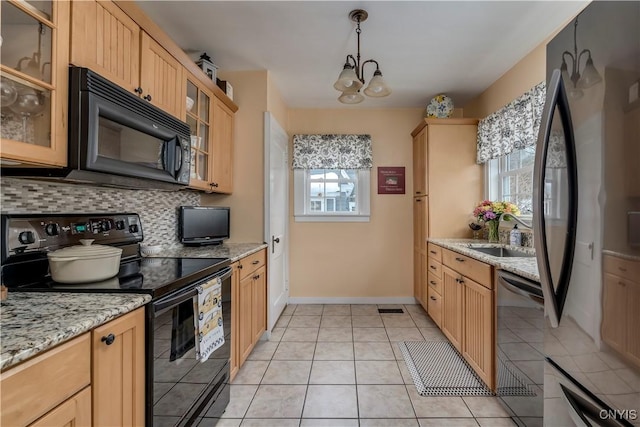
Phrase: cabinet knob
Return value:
(138, 90)
(256, 277)
(239, 266)
(214, 184)
(109, 339)
(147, 97)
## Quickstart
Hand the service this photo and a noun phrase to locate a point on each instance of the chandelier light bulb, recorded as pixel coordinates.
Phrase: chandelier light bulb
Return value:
(377, 87)
(351, 97)
(347, 80)
(590, 75)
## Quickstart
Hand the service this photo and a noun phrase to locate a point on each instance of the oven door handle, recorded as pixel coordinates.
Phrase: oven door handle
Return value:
(173, 300)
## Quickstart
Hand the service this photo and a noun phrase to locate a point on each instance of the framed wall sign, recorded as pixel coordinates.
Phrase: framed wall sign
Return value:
(391, 180)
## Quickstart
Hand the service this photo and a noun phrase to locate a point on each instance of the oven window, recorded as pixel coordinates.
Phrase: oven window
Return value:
(182, 332)
(119, 142)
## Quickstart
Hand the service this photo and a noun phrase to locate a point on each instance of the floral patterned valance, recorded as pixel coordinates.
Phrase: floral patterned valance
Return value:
(513, 127)
(332, 152)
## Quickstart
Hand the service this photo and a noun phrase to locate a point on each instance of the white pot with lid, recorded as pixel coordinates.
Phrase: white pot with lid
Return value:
(84, 263)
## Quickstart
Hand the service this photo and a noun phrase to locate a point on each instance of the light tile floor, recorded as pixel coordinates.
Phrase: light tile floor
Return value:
(339, 365)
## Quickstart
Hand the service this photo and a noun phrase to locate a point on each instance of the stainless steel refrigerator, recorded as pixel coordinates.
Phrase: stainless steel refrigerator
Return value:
(587, 218)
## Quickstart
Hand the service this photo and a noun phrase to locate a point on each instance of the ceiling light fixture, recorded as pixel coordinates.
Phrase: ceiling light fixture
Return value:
(351, 79)
(590, 75)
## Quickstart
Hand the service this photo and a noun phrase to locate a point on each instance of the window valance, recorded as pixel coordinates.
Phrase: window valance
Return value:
(513, 127)
(332, 151)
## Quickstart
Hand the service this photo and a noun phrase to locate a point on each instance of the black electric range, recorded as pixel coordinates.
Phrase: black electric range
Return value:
(173, 284)
(26, 239)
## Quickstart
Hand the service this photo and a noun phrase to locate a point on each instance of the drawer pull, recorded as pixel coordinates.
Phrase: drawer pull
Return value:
(459, 259)
(433, 267)
(622, 284)
(109, 339)
(432, 282)
(255, 262)
(433, 298)
(433, 252)
(622, 269)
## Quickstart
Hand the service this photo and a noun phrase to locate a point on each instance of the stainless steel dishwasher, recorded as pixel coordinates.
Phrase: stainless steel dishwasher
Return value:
(520, 364)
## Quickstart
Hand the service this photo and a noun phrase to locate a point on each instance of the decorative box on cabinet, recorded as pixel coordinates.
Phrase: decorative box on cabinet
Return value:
(105, 39)
(34, 83)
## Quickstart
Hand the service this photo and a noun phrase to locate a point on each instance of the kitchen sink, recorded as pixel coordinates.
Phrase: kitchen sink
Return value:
(503, 252)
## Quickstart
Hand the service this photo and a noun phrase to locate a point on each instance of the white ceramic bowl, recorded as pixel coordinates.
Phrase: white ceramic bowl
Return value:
(147, 250)
(84, 263)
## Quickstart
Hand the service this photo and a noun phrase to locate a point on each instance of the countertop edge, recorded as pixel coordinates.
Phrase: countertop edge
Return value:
(233, 251)
(525, 267)
(12, 357)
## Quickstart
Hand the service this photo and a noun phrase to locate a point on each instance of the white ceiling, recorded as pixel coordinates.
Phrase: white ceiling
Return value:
(423, 47)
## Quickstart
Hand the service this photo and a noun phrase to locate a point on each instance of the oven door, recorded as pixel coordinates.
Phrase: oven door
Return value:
(181, 389)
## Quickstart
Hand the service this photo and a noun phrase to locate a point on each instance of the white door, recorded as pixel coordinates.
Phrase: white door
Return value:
(276, 201)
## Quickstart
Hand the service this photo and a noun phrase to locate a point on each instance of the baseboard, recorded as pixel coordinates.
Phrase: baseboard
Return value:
(352, 300)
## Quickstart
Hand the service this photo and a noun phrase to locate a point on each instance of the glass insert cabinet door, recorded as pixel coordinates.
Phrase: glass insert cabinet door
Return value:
(198, 117)
(34, 82)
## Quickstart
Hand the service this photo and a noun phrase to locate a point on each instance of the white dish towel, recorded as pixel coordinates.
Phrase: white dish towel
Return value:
(208, 322)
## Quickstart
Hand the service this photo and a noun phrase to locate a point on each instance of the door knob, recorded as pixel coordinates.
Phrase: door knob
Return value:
(274, 240)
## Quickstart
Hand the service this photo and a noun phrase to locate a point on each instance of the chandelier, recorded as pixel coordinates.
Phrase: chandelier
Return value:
(590, 75)
(351, 79)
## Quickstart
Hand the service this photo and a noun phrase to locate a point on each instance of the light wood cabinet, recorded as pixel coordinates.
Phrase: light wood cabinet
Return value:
(234, 362)
(40, 385)
(467, 310)
(105, 39)
(452, 307)
(250, 281)
(420, 224)
(444, 163)
(222, 158)
(35, 82)
(119, 371)
(75, 412)
(621, 298)
(97, 378)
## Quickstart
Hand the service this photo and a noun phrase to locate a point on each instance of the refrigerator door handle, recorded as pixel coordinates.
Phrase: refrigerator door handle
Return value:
(555, 293)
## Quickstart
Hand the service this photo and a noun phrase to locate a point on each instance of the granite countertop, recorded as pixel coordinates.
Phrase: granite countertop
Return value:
(623, 255)
(235, 251)
(523, 266)
(32, 322)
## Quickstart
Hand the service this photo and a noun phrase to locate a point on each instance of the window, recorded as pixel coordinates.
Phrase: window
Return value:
(332, 194)
(510, 178)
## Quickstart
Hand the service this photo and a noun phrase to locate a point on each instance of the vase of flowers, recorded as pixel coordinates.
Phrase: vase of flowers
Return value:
(490, 212)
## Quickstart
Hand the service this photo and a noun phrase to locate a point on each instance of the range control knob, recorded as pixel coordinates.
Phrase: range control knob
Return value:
(133, 228)
(52, 229)
(120, 225)
(105, 225)
(26, 237)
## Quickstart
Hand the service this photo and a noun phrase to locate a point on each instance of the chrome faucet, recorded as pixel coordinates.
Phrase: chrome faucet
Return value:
(511, 217)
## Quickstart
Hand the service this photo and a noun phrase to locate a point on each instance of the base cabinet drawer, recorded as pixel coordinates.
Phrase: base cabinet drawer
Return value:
(435, 307)
(37, 386)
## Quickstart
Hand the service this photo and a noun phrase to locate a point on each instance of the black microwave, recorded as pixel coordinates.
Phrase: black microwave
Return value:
(119, 139)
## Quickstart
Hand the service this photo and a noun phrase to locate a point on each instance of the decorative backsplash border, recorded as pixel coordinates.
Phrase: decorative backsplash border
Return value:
(157, 209)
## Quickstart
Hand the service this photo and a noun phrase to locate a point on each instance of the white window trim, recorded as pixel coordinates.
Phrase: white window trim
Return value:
(300, 197)
(493, 181)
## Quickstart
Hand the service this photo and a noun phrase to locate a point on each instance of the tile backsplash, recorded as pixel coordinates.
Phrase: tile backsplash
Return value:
(157, 209)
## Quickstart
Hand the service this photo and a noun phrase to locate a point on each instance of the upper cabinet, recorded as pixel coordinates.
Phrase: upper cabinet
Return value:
(108, 41)
(34, 82)
(198, 116)
(222, 167)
